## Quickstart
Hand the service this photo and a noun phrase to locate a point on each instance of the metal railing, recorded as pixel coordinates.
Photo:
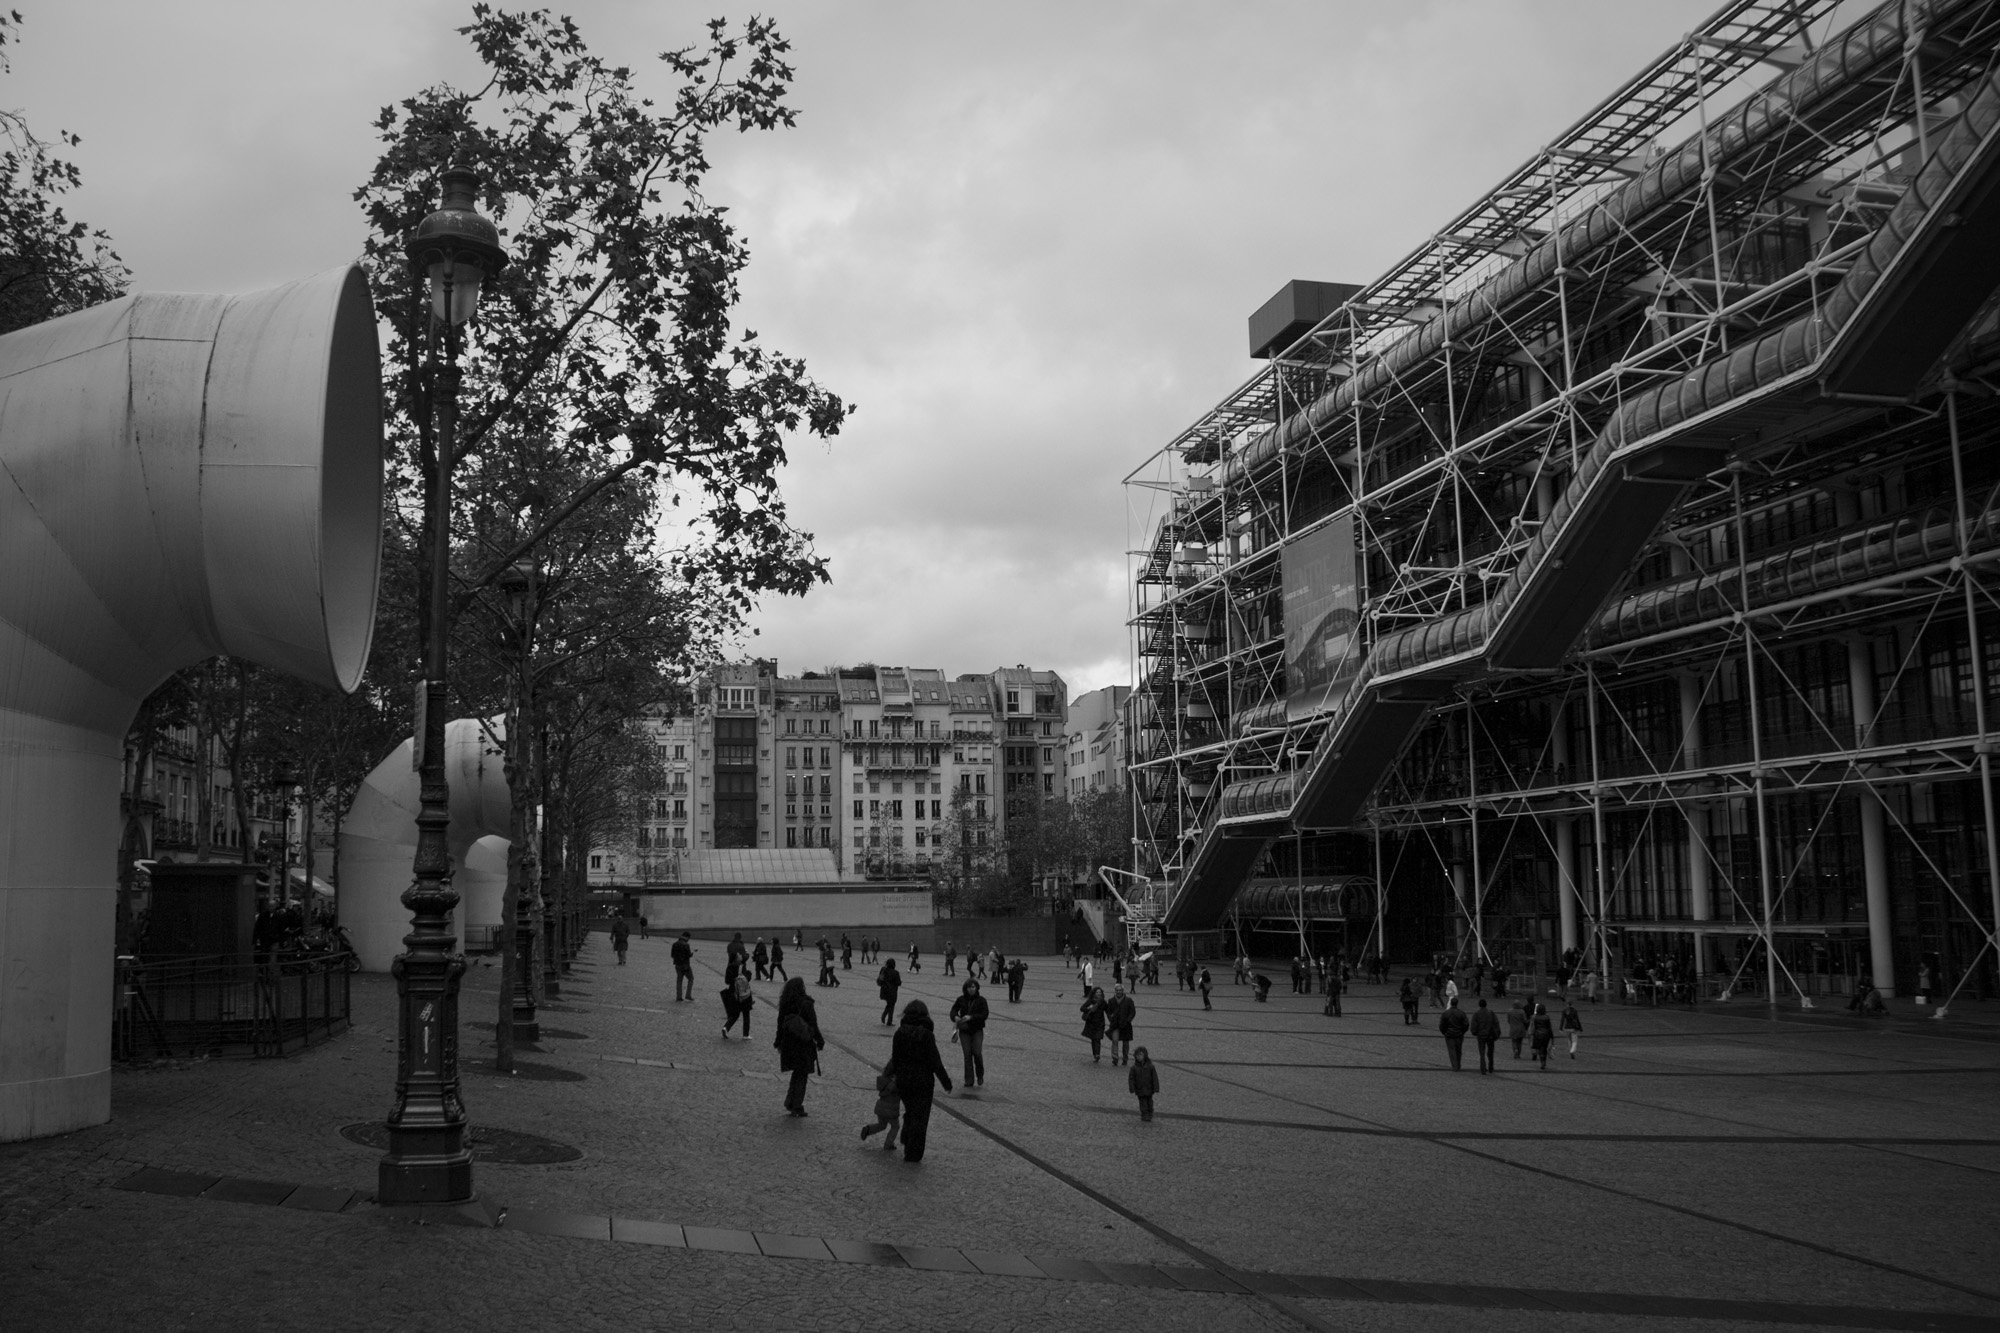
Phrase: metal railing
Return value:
(219, 1006)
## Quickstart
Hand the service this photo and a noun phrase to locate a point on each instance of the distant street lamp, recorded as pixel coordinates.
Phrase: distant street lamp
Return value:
(429, 1160)
(285, 782)
(517, 583)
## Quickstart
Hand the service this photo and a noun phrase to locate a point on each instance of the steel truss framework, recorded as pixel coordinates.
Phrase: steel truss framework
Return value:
(1799, 658)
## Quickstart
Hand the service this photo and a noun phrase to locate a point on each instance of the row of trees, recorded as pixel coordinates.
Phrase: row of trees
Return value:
(616, 506)
(977, 871)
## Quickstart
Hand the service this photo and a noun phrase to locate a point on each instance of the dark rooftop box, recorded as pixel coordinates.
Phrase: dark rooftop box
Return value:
(1286, 317)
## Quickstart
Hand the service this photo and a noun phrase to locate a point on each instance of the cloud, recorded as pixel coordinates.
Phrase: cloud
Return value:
(1023, 238)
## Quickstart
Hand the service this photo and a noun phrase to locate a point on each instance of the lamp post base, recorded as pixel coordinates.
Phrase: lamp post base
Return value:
(412, 1175)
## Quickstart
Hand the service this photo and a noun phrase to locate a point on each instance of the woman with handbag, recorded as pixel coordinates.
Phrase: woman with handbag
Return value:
(798, 1041)
(736, 1003)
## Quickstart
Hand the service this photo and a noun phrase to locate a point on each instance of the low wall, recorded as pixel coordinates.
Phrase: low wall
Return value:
(785, 910)
(717, 917)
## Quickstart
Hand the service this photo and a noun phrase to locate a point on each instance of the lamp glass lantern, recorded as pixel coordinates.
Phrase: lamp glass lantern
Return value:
(457, 248)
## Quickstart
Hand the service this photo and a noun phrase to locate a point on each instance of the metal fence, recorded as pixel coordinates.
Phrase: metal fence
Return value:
(218, 1006)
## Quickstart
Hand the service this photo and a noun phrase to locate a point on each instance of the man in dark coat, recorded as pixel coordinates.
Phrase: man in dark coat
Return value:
(1485, 1032)
(1118, 1017)
(798, 1041)
(1453, 1024)
(889, 981)
(683, 967)
(914, 1061)
(1017, 977)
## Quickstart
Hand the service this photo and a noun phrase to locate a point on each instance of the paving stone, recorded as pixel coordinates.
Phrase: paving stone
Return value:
(1331, 1288)
(648, 1233)
(1072, 1270)
(935, 1258)
(183, 1184)
(580, 1226)
(1201, 1279)
(866, 1252)
(1137, 1275)
(319, 1199)
(232, 1190)
(1270, 1284)
(725, 1239)
(792, 1247)
(1003, 1265)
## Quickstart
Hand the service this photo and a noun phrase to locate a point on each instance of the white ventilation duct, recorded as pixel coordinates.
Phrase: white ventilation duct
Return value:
(180, 477)
(378, 840)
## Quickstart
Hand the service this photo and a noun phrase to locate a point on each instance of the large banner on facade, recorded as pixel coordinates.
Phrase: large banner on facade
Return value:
(1322, 618)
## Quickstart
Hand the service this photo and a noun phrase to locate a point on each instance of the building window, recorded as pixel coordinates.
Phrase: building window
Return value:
(1048, 784)
(596, 862)
(791, 837)
(825, 757)
(791, 724)
(791, 756)
(680, 752)
(1048, 754)
(1013, 701)
(979, 811)
(895, 809)
(857, 810)
(874, 809)
(937, 809)
(920, 837)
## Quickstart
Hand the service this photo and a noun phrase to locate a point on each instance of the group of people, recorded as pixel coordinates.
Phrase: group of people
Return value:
(1530, 1023)
(991, 965)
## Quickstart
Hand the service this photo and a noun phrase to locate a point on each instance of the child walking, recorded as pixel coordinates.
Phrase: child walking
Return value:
(1144, 1080)
(888, 1110)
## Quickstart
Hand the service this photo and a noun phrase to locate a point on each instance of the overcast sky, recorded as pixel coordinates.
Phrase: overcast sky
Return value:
(1023, 238)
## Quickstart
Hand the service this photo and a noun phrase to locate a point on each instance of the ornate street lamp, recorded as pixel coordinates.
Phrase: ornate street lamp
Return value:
(429, 1160)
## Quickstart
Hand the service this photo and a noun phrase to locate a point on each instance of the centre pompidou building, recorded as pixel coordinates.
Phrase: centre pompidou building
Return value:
(1614, 577)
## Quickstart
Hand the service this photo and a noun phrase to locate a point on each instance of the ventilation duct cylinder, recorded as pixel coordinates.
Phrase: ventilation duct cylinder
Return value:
(180, 477)
(378, 840)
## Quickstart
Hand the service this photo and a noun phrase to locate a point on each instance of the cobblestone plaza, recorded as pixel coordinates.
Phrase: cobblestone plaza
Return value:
(1711, 1169)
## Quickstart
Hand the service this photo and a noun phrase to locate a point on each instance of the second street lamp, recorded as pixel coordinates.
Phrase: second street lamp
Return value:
(517, 583)
(429, 1160)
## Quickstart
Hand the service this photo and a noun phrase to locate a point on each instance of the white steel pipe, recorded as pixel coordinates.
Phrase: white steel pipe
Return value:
(378, 839)
(180, 477)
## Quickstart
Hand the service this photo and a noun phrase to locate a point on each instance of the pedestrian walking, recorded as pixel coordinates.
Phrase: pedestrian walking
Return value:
(968, 1022)
(888, 981)
(950, 959)
(1486, 1035)
(1572, 1023)
(798, 1041)
(1242, 969)
(738, 957)
(1118, 1024)
(1092, 1010)
(621, 937)
(1087, 974)
(1017, 977)
(914, 1059)
(1450, 988)
(1144, 1081)
(737, 1002)
(1517, 1027)
(760, 960)
(846, 954)
(683, 967)
(1334, 986)
(1541, 1035)
(888, 1110)
(1408, 995)
(1453, 1023)
(778, 960)
(642, 929)
(1203, 984)
(915, 966)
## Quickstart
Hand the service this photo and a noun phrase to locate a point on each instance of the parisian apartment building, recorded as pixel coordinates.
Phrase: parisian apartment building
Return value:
(880, 765)
(1098, 751)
